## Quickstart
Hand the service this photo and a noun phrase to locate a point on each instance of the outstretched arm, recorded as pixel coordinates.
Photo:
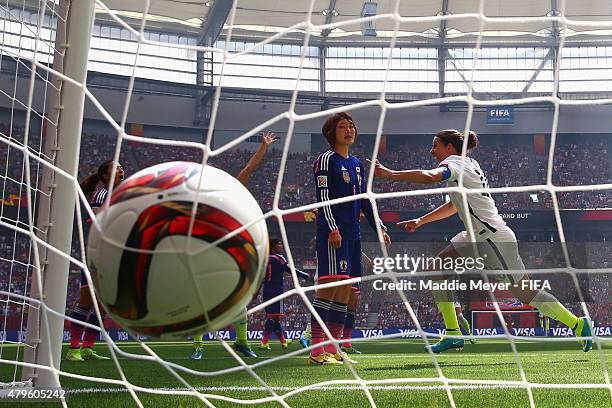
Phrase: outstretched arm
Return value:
(302, 274)
(298, 272)
(414, 176)
(266, 140)
(440, 213)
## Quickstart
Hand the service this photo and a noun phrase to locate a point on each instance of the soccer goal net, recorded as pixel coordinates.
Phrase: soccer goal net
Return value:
(61, 58)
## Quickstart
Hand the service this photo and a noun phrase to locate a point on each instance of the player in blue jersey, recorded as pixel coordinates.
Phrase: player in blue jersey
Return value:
(273, 287)
(95, 188)
(241, 325)
(337, 174)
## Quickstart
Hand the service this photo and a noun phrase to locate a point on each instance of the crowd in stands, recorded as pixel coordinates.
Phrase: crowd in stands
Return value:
(584, 163)
(574, 164)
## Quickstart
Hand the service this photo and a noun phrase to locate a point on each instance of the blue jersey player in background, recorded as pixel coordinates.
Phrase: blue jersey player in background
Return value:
(337, 174)
(272, 287)
(95, 187)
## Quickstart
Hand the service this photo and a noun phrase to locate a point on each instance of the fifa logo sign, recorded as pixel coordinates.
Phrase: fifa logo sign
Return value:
(500, 115)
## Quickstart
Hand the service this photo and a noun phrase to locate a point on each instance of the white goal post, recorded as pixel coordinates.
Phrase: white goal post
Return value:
(56, 210)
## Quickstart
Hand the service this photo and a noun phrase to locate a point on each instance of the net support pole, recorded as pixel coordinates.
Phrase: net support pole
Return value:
(57, 218)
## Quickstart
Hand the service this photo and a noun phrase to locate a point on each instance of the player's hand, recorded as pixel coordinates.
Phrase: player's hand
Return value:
(411, 225)
(267, 138)
(335, 239)
(380, 170)
(387, 239)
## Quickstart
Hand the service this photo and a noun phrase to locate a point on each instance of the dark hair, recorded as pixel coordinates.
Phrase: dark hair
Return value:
(455, 138)
(274, 242)
(89, 184)
(329, 127)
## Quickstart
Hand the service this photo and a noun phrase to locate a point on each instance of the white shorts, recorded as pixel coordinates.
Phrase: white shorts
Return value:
(499, 250)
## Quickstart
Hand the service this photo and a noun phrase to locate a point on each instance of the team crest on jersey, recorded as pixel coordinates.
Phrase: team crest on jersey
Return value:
(358, 169)
(343, 265)
(346, 177)
(321, 181)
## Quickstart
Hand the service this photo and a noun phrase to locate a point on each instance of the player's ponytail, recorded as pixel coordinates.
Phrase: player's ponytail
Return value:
(455, 137)
(89, 184)
(329, 127)
(472, 140)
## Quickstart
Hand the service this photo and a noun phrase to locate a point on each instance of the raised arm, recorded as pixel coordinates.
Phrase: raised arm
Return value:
(245, 174)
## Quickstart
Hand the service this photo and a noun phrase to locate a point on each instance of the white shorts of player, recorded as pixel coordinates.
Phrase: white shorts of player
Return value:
(499, 250)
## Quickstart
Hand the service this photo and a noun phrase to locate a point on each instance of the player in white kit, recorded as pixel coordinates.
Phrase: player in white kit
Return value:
(494, 240)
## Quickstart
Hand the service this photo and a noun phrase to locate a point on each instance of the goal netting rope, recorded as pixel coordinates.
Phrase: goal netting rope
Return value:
(29, 55)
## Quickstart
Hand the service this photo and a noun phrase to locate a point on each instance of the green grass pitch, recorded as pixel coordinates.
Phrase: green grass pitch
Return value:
(543, 363)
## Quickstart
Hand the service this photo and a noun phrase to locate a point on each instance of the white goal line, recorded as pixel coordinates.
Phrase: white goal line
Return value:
(236, 388)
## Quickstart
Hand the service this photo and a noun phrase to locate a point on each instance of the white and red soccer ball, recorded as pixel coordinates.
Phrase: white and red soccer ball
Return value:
(156, 280)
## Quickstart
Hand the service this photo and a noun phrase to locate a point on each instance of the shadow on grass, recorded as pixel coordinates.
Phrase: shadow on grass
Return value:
(425, 366)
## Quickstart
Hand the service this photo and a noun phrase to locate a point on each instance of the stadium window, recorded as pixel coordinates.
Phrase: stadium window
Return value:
(47, 22)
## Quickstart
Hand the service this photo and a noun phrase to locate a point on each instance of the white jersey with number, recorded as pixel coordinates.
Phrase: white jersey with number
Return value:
(480, 206)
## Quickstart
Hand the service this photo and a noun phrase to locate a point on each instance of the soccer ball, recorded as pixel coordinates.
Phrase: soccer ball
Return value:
(156, 280)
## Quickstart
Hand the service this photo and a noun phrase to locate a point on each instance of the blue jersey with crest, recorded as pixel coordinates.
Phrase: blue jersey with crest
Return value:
(335, 177)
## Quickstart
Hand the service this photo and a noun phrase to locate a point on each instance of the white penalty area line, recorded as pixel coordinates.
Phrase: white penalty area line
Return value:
(322, 388)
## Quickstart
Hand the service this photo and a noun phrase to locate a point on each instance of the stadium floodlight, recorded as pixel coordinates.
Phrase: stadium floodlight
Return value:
(368, 28)
(333, 12)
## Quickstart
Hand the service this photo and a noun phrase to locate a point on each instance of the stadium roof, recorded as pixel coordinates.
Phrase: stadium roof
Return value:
(263, 18)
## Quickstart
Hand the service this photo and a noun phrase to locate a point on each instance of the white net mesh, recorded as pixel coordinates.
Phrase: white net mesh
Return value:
(26, 56)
